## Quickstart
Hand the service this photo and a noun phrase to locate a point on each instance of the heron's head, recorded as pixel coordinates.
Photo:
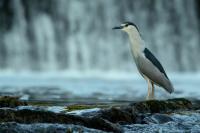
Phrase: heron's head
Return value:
(127, 27)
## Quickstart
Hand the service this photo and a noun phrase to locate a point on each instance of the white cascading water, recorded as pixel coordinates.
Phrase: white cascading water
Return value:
(77, 35)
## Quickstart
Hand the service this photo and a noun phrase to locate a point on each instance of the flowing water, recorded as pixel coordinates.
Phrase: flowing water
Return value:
(76, 35)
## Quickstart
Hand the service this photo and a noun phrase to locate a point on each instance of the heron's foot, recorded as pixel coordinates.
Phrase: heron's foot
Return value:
(150, 97)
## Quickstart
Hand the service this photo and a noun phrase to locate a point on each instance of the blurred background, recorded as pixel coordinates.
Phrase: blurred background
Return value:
(66, 49)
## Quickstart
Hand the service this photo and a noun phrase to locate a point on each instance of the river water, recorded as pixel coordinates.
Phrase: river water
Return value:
(124, 87)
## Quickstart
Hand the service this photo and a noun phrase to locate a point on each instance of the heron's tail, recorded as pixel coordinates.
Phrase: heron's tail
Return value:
(169, 87)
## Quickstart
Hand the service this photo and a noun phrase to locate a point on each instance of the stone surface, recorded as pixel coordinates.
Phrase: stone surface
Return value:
(157, 119)
(7, 101)
(32, 116)
(12, 127)
(156, 106)
(88, 118)
(117, 115)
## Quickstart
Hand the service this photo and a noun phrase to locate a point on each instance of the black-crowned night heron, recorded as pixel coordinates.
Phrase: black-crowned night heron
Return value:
(147, 64)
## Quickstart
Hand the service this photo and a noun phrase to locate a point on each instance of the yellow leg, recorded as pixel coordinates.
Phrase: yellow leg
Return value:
(152, 91)
(149, 90)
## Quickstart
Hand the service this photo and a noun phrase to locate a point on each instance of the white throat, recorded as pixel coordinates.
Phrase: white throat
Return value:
(137, 44)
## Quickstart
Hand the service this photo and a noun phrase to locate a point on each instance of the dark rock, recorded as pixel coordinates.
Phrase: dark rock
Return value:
(135, 113)
(32, 116)
(7, 101)
(102, 124)
(117, 115)
(157, 119)
(12, 127)
(104, 119)
(156, 106)
(196, 104)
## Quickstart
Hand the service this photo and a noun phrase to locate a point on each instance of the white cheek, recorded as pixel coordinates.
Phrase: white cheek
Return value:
(126, 29)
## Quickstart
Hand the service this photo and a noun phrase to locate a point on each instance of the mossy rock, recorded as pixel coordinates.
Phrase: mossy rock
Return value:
(88, 106)
(80, 107)
(8, 101)
(32, 116)
(157, 106)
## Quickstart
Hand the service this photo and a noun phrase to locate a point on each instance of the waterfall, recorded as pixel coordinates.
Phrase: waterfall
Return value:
(57, 35)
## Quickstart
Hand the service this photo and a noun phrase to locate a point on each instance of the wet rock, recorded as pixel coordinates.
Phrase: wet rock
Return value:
(156, 106)
(86, 112)
(117, 115)
(75, 107)
(196, 104)
(8, 101)
(12, 127)
(104, 119)
(157, 119)
(181, 123)
(135, 113)
(32, 116)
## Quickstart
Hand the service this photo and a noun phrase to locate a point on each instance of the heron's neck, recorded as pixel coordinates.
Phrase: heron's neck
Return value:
(137, 44)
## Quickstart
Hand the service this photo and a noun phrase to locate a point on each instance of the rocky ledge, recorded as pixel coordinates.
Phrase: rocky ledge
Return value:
(18, 116)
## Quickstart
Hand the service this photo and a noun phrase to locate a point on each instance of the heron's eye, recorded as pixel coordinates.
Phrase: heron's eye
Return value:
(126, 25)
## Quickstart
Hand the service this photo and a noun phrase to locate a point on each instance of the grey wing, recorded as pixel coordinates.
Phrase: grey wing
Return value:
(147, 68)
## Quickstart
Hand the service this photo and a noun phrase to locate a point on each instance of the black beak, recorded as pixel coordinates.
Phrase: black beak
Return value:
(120, 27)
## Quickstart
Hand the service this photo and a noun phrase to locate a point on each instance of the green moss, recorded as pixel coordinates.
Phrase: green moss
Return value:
(41, 103)
(82, 107)
(156, 106)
